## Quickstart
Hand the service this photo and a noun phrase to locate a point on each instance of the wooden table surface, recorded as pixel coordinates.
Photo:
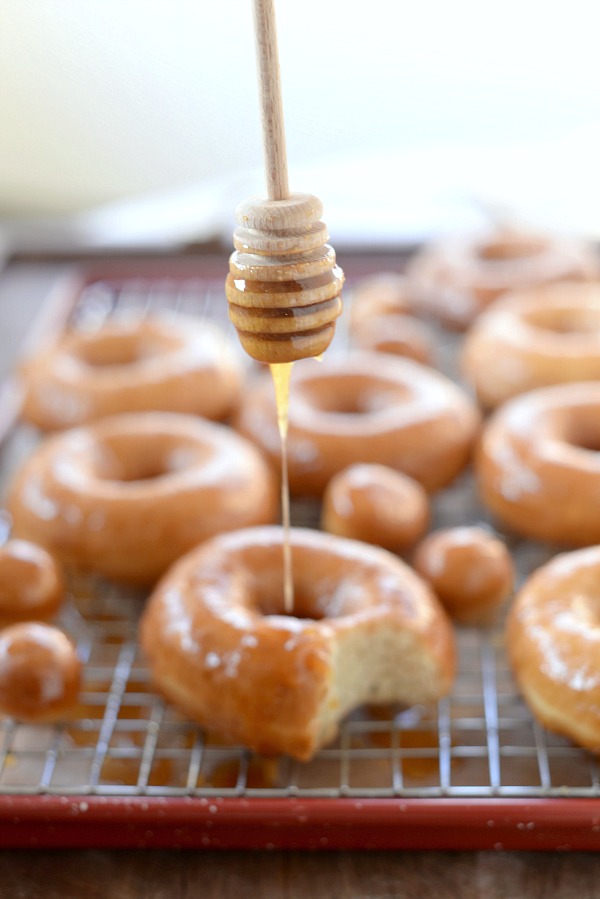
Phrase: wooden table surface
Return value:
(120, 874)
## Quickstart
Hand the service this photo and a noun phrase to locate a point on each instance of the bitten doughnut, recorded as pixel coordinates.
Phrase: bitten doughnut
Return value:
(159, 363)
(127, 495)
(471, 572)
(365, 407)
(40, 673)
(553, 644)
(538, 465)
(220, 647)
(454, 279)
(377, 505)
(534, 338)
(32, 585)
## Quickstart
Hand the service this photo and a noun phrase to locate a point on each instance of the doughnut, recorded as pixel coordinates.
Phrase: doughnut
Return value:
(470, 571)
(125, 496)
(455, 278)
(376, 295)
(534, 338)
(538, 466)
(553, 645)
(32, 585)
(400, 335)
(131, 364)
(40, 673)
(220, 647)
(365, 407)
(377, 505)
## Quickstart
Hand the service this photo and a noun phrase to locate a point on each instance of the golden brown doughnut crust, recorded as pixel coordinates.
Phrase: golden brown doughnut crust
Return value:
(365, 407)
(534, 338)
(32, 584)
(553, 644)
(129, 364)
(40, 672)
(377, 505)
(127, 495)
(221, 648)
(470, 571)
(538, 466)
(454, 279)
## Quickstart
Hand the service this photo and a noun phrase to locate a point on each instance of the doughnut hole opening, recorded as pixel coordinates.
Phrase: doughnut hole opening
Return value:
(580, 431)
(510, 248)
(104, 351)
(352, 395)
(564, 320)
(314, 598)
(129, 458)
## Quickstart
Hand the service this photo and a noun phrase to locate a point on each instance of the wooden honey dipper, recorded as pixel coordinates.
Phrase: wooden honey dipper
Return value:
(284, 286)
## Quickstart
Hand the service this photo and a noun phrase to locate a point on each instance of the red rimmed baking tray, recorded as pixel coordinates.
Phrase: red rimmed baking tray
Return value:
(474, 771)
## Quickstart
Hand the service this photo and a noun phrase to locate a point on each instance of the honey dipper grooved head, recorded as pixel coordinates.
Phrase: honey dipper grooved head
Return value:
(284, 286)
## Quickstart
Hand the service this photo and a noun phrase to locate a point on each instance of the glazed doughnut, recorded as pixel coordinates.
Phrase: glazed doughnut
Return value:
(454, 279)
(400, 335)
(365, 407)
(553, 644)
(159, 363)
(534, 338)
(220, 647)
(32, 585)
(40, 673)
(538, 466)
(470, 571)
(379, 294)
(377, 505)
(127, 495)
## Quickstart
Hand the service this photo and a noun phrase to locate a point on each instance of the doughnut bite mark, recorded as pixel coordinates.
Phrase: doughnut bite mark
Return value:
(365, 407)
(534, 338)
(553, 644)
(32, 585)
(538, 464)
(220, 647)
(454, 279)
(376, 504)
(470, 571)
(40, 673)
(159, 363)
(127, 495)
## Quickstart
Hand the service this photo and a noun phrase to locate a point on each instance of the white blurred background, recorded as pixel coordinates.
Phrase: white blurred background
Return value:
(138, 120)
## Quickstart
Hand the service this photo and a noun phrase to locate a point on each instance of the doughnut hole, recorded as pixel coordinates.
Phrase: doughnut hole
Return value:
(565, 319)
(376, 504)
(98, 350)
(129, 457)
(399, 335)
(40, 672)
(469, 569)
(32, 584)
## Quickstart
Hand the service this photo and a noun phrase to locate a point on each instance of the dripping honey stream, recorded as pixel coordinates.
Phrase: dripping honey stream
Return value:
(281, 373)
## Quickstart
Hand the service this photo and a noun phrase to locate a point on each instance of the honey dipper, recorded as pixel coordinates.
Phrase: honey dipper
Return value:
(284, 286)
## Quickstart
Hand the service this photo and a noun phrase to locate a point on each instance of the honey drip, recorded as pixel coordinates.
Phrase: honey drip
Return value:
(281, 373)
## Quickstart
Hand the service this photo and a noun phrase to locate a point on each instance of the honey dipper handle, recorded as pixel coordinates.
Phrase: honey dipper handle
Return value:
(270, 95)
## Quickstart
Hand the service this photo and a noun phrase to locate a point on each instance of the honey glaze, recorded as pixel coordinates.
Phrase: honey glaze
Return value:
(281, 374)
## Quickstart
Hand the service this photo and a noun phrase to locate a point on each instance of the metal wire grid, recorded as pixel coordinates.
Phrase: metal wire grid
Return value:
(124, 740)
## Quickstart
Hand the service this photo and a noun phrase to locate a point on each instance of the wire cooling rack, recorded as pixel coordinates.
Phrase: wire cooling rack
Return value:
(473, 750)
